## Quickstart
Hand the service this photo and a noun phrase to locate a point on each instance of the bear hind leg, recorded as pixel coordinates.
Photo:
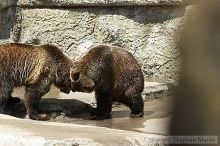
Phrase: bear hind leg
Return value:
(135, 103)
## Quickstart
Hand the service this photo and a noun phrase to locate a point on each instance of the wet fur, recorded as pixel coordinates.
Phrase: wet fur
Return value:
(36, 68)
(114, 75)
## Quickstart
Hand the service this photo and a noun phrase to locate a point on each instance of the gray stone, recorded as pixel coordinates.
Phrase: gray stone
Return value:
(150, 34)
(35, 133)
(150, 30)
(71, 3)
(153, 90)
(7, 3)
(153, 87)
(7, 18)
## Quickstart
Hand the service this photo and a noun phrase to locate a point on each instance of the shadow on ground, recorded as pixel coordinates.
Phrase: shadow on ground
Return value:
(76, 108)
(60, 108)
(71, 108)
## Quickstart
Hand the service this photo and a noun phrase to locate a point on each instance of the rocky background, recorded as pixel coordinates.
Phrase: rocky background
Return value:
(149, 29)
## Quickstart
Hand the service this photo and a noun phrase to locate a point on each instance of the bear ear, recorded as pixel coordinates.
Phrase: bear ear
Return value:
(74, 75)
(62, 50)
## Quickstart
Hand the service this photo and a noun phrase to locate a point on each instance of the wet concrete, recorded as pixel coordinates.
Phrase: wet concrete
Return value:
(19, 132)
(75, 107)
(68, 126)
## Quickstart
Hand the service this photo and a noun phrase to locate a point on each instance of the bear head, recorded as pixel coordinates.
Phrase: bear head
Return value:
(80, 81)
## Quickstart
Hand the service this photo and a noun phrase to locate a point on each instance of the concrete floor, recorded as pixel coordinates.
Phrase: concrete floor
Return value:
(71, 129)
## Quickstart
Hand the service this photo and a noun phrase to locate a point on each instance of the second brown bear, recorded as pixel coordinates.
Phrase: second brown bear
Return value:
(114, 74)
(36, 68)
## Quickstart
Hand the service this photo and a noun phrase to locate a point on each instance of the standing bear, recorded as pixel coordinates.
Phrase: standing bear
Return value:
(36, 68)
(114, 75)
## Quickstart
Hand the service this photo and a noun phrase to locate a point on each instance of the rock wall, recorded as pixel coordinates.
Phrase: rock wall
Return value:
(149, 29)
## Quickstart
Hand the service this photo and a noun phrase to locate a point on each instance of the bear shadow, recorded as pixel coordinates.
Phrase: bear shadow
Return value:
(66, 107)
(62, 108)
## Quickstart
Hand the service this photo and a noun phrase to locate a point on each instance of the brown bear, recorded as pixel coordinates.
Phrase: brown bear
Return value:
(36, 68)
(114, 74)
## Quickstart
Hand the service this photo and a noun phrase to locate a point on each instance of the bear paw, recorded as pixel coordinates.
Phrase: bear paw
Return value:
(136, 115)
(40, 117)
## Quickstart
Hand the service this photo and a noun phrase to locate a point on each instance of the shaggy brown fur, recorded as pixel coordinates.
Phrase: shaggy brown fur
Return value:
(115, 75)
(36, 68)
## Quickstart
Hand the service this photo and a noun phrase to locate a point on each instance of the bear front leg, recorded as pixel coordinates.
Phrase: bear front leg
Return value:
(104, 106)
(33, 96)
